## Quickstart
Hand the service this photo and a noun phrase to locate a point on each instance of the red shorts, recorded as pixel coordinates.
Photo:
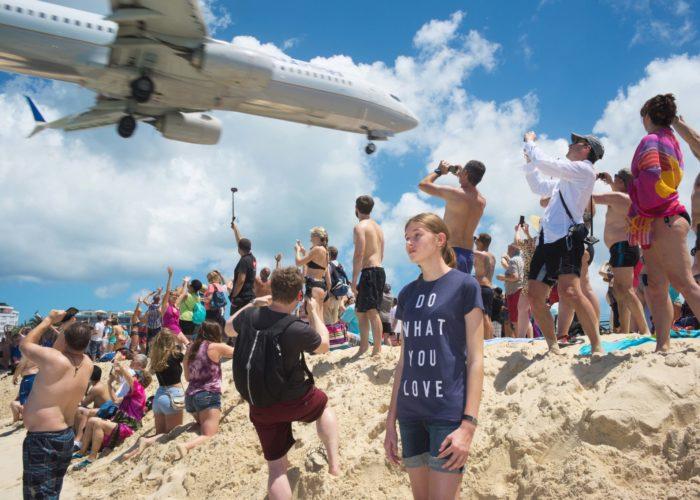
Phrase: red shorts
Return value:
(512, 303)
(274, 423)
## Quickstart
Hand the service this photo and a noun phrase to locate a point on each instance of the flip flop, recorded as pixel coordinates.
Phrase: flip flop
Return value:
(82, 464)
(76, 456)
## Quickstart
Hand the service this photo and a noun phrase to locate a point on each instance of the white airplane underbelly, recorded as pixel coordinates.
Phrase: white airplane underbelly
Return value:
(39, 54)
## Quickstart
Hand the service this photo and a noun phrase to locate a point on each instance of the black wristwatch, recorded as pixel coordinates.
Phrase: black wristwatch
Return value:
(471, 419)
(438, 171)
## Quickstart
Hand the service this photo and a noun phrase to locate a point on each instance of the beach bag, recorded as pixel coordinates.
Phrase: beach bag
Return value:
(339, 281)
(578, 232)
(258, 371)
(218, 299)
(177, 402)
(199, 314)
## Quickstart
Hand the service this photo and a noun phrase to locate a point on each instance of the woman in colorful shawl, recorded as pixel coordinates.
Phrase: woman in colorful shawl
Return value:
(110, 433)
(659, 223)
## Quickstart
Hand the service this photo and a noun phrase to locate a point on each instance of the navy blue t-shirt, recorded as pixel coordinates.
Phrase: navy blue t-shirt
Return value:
(433, 382)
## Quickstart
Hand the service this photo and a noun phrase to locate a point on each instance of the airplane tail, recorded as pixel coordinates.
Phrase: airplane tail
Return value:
(38, 117)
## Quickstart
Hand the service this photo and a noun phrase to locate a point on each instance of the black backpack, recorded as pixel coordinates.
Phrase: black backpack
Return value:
(258, 371)
(340, 284)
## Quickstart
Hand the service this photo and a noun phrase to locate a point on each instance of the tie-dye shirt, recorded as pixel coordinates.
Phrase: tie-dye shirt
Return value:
(657, 170)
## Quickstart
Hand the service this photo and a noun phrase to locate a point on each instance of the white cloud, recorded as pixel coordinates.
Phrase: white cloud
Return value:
(290, 43)
(437, 33)
(671, 23)
(215, 15)
(111, 290)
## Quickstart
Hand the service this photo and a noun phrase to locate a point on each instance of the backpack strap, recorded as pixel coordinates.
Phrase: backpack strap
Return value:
(561, 197)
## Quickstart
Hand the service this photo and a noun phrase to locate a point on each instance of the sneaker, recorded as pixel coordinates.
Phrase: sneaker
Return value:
(82, 465)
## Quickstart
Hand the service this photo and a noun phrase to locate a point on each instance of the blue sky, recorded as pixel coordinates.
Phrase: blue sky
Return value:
(553, 65)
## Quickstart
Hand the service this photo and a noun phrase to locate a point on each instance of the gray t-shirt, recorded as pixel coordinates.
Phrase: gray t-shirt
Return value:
(515, 268)
(433, 381)
(385, 307)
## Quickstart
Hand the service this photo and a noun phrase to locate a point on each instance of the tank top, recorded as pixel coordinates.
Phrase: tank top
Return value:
(204, 374)
(171, 319)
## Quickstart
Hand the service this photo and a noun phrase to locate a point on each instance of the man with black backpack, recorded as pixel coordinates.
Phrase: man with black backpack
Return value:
(340, 286)
(270, 372)
(557, 259)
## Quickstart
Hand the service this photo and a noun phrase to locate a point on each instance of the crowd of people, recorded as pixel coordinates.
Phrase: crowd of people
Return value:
(438, 321)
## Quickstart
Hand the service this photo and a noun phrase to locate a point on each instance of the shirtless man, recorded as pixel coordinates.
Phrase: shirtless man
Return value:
(484, 267)
(97, 395)
(64, 371)
(368, 276)
(27, 370)
(623, 257)
(262, 283)
(464, 207)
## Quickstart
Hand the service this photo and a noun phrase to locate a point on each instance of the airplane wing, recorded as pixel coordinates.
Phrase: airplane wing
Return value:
(105, 112)
(179, 22)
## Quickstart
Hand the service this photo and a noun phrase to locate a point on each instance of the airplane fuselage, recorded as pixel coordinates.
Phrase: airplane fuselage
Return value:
(52, 41)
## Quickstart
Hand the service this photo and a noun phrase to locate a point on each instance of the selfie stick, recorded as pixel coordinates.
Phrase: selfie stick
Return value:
(233, 204)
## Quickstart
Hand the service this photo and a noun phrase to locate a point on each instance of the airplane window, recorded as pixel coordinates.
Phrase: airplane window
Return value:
(77, 23)
(54, 18)
(99, 27)
(395, 98)
(282, 68)
(66, 20)
(111, 30)
(19, 9)
(299, 71)
(89, 25)
(315, 75)
(42, 15)
(308, 74)
(7, 7)
(30, 12)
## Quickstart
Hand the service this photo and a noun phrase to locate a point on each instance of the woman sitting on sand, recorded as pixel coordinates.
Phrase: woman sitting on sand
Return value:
(317, 276)
(443, 336)
(169, 400)
(203, 372)
(100, 433)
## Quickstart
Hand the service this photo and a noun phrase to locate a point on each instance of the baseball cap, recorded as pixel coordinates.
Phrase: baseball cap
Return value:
(593, 142)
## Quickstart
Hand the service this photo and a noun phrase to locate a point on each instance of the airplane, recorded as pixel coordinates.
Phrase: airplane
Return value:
(153, 61)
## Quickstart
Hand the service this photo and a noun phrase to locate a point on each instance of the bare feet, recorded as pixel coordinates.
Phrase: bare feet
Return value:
(597, 350)
(334, 471)
(376, 351)
(554, 349)
(141, 445)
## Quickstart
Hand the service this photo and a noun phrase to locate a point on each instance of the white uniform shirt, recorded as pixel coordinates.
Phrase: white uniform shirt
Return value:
(99, 331)
(575, 180)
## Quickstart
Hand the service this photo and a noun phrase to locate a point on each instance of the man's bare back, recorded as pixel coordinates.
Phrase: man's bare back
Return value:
(371, 232)
(463, 211)
(616, 222)
(484, 267)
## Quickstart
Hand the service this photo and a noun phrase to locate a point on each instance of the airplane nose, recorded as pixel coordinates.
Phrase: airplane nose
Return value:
(409, 120)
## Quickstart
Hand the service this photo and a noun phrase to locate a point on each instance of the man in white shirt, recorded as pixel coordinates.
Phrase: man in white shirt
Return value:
(569, 185)
(95, 345)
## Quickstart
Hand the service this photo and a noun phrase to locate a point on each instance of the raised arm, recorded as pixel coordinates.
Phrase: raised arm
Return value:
(301, 257)
(30, 345)
(561, 169)
(428, 186)
(278, 261)
(617, 200)
(166, 297)
(692, 137)
(183, 293)
(236, 232)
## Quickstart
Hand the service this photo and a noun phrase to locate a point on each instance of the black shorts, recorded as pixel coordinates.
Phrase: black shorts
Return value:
(313, 283)
(623, 255)
(487, 299)
(550, 260)
(188, 328)
(386, 327)
(239, 303)
(370, 289)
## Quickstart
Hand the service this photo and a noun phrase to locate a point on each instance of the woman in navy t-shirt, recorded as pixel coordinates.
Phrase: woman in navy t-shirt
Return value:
(439, 376)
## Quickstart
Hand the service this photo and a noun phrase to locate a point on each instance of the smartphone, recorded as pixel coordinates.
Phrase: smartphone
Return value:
(453, 169)
(521, 223)
(70, 312)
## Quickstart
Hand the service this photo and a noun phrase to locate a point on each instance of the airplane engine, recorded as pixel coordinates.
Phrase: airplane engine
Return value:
(236, 65)
(195, 128)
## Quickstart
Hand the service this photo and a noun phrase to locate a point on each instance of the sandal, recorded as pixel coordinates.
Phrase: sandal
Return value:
(82, 464)
(76, 456)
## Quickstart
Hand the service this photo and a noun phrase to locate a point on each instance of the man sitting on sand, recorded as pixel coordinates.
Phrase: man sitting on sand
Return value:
(27, 370)
(300, 400)
(64, 371)
(464, 206)
(98, 396)
(368, 275)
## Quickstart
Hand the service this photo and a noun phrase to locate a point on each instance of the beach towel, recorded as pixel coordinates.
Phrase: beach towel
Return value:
(619, 345)
(685, 334)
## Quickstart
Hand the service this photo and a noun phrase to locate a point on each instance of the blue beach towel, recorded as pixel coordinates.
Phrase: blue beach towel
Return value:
(619, 345)
(685, 334)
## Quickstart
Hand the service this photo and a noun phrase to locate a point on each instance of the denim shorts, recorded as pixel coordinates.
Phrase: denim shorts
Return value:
(161, 401)
(420, 443)
(203, 400)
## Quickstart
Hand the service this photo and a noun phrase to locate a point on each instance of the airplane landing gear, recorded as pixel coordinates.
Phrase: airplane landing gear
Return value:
(127, 126)
(142, 88)
(370, 148)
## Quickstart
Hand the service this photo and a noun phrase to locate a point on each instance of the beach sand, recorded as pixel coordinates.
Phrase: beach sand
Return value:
(626, 425)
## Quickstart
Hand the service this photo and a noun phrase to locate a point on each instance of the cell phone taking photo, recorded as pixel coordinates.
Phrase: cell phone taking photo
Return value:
(521, 223)
(70, 313)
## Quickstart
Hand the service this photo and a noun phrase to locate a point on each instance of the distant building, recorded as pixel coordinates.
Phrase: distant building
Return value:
(9, 317)
(93, 317)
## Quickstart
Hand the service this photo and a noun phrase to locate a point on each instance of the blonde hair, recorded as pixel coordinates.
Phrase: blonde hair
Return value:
(436, 225)
(214, 273)
(321, 234)
(163, 347)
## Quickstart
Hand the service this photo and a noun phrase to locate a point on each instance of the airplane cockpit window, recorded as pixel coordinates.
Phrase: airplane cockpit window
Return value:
(111, 30)
(395, 98)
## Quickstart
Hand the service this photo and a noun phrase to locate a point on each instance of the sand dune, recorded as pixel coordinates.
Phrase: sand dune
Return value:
(626, 425)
